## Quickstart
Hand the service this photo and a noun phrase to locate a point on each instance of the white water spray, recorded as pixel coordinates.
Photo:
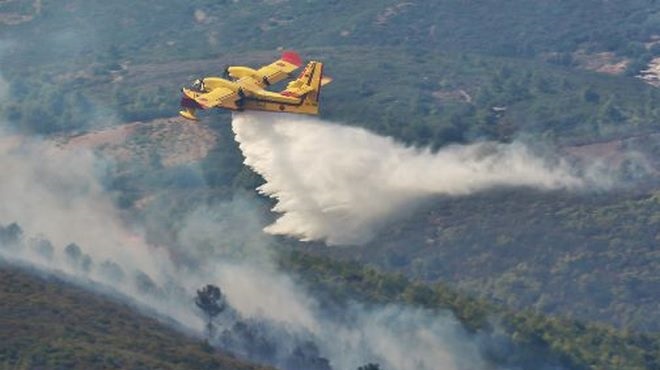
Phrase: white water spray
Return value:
(340, 184)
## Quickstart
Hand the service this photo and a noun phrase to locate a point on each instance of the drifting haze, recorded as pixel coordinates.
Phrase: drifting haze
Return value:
(341, 184)
(56, 197)
(4, 88)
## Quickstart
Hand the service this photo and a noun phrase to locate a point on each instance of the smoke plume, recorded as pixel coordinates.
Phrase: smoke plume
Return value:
(56, 216)
(340, 184)
(71, 226)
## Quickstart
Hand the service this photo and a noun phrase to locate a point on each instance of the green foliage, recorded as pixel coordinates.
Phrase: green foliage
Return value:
(48, 324)
(211, 302)
(442, 72)
(200, 28)
(429, 82)
(570, 343)
(342, 281)
(587, 256)
(427, 99)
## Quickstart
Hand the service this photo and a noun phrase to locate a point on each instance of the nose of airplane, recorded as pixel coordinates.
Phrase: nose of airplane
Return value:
(189, 106)
(187, 102)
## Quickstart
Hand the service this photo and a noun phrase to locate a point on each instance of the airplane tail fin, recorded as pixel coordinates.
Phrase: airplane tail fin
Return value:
(308, 86)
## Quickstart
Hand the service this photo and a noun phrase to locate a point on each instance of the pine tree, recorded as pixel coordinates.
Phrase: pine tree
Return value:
(211, 301)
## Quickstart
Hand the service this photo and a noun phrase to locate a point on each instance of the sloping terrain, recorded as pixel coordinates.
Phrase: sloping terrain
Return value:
(171, 142)
(49, 323)
(92, 66)
(425, 74)
(174, 30)
(510, 338)
(591, 257)
(46, 323)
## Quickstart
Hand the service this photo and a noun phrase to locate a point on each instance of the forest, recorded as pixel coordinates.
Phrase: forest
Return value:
(567, 278)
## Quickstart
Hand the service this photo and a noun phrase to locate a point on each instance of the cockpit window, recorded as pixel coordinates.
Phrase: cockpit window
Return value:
(198, 85)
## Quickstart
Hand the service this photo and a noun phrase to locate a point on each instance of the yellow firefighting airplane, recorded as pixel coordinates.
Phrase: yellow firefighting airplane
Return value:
(244, 89)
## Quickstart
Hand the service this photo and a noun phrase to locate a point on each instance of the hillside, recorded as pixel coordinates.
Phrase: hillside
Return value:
(172, 30)
(510, 338)
(561, 279)
(427, 74)
(46, 323)
(591, 257)
(422, 98)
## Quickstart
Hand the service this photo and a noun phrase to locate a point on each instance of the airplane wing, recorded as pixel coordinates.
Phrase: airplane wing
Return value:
(281, 68)
(214, 98)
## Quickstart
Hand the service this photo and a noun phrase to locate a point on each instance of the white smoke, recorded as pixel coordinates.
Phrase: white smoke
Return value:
(394, 336)
(403, 338)
(326, 179)
(4, 85)
(340, 184)
(4, 88)
(56, 194)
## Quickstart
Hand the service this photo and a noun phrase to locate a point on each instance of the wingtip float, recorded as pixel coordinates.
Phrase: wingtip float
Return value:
(245, 89)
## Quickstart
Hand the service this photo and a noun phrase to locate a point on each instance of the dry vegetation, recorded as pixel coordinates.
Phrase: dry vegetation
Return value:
(173, 140)
(47, 324)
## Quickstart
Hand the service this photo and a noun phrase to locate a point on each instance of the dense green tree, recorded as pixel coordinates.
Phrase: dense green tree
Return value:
(212, 303)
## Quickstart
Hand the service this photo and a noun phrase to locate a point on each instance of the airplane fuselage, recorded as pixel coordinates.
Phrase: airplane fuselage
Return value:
(245, 89)
(303, 106)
